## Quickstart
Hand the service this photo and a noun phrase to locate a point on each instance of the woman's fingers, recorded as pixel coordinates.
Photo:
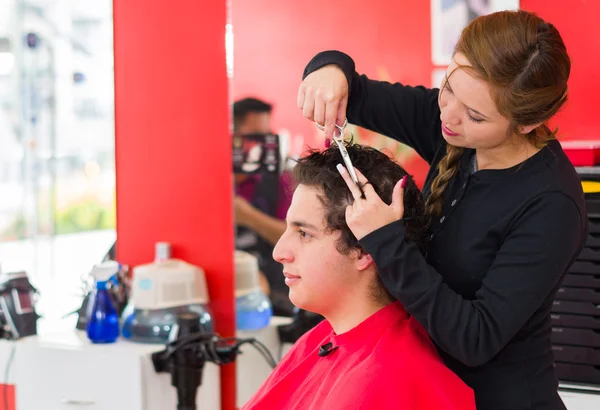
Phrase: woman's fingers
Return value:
(354, 189)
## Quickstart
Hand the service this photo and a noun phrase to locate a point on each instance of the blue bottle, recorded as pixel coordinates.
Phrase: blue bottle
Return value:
(103, 319)
(253, 311)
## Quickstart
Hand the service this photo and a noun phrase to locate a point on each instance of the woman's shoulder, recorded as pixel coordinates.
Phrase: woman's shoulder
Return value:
(558, 175)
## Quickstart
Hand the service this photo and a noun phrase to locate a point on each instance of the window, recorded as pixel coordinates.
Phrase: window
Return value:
(57, 174)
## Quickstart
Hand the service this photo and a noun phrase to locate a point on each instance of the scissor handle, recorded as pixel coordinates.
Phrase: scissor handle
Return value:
(341, 128)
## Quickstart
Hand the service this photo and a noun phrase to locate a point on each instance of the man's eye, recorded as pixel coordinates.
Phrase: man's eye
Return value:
(303, 234)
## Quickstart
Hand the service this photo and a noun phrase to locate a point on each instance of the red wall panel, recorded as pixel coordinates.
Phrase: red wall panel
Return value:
(173, 150)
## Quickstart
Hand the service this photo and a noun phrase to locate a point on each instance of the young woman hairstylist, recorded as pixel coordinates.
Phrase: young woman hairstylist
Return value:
(507, 208)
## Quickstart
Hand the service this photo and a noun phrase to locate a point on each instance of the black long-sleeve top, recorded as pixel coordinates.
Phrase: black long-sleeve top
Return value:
(496, 254)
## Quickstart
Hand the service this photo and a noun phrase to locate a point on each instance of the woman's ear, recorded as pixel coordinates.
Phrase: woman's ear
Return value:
(526, 129)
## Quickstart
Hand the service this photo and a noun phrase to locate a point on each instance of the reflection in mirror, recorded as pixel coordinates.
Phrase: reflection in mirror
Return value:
(262, 197)
(266, 63)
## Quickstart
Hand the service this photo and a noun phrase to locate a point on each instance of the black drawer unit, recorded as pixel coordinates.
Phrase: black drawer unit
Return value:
(578, 373)
(575, 321)
(576, 309)
(588, 356)
(574, 280)
(568, 336)
(579, 294)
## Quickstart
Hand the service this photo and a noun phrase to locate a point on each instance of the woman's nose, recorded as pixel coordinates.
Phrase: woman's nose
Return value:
(450, 113)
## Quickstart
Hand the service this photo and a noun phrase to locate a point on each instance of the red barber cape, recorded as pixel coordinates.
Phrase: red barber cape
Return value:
(386, 362)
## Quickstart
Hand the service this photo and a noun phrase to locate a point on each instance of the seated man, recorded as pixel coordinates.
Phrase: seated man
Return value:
(369, 353)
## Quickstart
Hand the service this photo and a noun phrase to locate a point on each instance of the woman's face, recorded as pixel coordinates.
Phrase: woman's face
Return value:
(469, 115)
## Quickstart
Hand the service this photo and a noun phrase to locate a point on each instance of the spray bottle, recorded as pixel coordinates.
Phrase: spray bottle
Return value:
(103, 319)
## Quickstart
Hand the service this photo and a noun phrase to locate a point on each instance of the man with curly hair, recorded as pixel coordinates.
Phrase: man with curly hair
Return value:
(369, 353)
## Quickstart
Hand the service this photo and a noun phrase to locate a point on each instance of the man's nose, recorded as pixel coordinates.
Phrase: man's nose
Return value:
(281, 251)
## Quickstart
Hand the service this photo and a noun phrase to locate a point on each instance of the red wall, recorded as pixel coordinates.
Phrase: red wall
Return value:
(173, 153)
(577, 22)
(388, 40)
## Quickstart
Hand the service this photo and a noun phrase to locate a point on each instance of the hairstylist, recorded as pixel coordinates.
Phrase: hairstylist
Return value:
(506, 208)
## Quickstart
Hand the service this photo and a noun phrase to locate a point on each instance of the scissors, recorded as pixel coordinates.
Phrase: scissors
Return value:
(339, 140)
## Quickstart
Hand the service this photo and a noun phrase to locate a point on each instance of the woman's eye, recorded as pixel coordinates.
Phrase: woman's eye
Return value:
(475, 120)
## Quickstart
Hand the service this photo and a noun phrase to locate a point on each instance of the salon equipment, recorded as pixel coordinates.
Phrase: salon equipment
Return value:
(302, 322)
(252, 307)
(103, 319)
(162, 290)
(119, 291)
(188, 351)
(18, 317)
(576, 310)
(339, 140)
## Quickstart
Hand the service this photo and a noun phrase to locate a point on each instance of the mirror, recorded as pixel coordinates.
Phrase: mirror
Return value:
(268, 61)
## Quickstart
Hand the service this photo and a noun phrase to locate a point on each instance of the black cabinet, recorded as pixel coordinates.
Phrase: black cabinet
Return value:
(576, 310)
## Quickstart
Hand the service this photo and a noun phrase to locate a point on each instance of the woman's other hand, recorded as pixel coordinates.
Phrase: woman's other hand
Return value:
(368, 212)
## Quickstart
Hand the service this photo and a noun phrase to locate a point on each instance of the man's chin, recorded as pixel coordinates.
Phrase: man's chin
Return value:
(299, 301)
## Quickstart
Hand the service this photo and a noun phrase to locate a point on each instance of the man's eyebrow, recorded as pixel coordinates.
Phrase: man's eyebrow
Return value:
(303, 224)
(469, 108)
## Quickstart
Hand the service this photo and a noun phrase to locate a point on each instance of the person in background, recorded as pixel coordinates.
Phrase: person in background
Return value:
(368, 353)
(260, 203)
(506, 207)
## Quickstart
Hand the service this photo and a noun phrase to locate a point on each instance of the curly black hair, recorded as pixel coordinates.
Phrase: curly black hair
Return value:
(318, 169)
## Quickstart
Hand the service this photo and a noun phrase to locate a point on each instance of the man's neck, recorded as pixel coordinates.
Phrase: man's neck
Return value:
(349, 315)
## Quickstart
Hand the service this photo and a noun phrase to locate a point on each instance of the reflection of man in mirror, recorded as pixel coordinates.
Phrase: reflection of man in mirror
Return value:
(261, 202)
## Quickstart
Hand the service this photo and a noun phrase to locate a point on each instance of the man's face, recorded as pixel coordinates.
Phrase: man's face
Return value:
(319, 277)
(255, 123)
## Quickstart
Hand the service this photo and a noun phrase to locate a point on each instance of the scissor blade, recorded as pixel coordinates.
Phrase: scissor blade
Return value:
(347, 161)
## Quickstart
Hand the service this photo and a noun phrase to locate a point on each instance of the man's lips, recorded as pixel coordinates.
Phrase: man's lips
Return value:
(290, 279)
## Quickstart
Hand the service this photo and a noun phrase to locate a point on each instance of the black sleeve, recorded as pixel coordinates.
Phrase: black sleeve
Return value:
(537, 250)
(410, 115)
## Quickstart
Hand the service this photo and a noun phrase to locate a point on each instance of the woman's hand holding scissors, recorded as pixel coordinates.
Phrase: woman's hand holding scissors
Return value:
(323, 98)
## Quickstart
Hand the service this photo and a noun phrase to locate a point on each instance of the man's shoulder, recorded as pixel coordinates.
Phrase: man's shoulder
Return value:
(407, 365)
(405, 343)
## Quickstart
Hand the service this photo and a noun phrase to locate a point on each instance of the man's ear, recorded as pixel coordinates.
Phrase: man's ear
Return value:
(364, 261)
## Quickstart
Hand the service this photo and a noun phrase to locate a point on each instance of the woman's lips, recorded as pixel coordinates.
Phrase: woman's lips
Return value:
(447, 131)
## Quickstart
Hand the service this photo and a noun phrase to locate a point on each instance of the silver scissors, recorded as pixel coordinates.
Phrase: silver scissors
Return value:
(339, 140)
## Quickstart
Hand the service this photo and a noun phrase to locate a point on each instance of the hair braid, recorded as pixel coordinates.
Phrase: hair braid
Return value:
(447, 168)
